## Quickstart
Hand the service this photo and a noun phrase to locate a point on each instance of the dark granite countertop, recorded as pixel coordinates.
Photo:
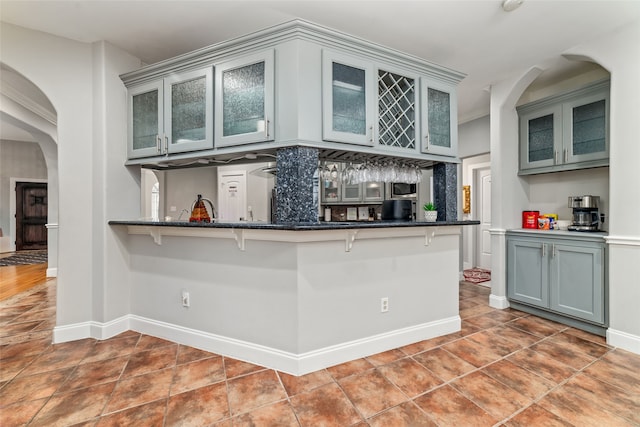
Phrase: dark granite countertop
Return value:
(296, 226)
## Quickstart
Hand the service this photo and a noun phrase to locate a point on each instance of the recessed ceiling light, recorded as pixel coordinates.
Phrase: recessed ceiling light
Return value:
(509, 5)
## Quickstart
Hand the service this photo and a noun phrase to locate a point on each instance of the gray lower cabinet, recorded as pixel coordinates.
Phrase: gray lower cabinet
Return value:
(560, 274)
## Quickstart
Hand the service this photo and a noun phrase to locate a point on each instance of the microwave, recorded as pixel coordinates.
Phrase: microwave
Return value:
(401, 190)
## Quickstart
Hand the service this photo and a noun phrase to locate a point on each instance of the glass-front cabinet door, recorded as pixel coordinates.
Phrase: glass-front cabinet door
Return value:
(439, 134)
(145, 117)
(541, 137)
(188, 111)
(351, 192)
(348, 99)
(330, 182)
(585, 127)
(245, 100)
(373, 192)
(396, 110)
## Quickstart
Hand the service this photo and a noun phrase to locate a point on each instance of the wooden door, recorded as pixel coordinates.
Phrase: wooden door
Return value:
(31, 215)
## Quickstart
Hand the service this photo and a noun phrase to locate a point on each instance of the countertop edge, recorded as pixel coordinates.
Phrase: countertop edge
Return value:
(293, 227)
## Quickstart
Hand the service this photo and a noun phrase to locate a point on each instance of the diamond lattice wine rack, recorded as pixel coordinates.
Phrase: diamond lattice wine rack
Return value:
(397, 109)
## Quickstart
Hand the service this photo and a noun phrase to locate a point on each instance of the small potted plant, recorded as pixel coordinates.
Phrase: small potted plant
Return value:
(430, 213)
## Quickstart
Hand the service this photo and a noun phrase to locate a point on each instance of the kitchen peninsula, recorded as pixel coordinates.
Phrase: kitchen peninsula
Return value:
(295, 297)
(297, 294)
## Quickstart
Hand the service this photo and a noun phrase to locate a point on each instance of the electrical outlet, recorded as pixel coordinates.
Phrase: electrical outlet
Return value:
(186, 300)
(384, 305)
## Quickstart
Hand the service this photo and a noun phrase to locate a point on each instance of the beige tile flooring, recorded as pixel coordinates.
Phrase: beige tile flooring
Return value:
(504, 368)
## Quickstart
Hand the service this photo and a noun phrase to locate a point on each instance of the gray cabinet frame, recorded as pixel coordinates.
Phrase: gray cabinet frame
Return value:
(559, 274)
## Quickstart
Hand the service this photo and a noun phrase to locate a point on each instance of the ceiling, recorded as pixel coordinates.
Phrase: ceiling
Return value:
(475, 37)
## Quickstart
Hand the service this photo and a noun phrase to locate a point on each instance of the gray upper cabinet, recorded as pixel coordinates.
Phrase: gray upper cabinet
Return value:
(171, 115)
(245, 99)
(348, 102)
(560, 274)
(188, 100)
(439, 118)
(293, 84)
(146, 120)
(566, 131)
(542, 130)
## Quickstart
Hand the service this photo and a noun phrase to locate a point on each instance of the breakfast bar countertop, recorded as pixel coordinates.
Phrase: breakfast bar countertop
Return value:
(331, 225)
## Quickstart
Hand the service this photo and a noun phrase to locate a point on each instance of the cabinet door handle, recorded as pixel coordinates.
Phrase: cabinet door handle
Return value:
(166, 144)
(427, 140)
(266, 128)
(371, 130)
(566, 155)
(544, 250)
(158, 143)
(554, 251)
(555, 157)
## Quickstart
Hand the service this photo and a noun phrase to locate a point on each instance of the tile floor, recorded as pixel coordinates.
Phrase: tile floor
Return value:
(504, 368)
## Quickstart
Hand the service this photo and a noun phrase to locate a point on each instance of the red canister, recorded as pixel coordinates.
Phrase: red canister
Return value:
(530, 219)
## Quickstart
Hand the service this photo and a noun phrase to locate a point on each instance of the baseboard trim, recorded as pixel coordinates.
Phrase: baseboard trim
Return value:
(96, 330)
(498, 302)
(623, 340)
(291, 363)
(52, 272)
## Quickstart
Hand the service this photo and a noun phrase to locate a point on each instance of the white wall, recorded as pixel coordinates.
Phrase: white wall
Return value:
(18, 159)
(548, 193)
(182, 187)
(81, 81)
(619, 52)
(474, 137)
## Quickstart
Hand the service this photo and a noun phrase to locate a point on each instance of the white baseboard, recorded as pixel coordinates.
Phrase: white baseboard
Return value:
(52, 272)
(498, 302)
(291, 363)
(96, 330)
(623, 340)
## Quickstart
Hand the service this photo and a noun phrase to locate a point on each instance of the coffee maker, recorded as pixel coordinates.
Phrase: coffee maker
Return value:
(586, 213)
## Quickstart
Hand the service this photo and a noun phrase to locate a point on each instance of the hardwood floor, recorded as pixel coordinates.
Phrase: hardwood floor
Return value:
(18, 278)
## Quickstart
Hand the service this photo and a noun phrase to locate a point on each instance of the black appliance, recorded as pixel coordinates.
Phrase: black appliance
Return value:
(397, 210)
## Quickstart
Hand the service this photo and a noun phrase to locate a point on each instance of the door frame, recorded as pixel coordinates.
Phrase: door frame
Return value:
(469, 233)
(12, 206)
(477, 190)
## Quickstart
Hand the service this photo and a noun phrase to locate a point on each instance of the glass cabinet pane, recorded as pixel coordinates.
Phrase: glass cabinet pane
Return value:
(439, 112)
(373, 191)
(188, 111)
(397, 110)
(243, 99)
(351, 192)
(540, 138)
(145, 119)
(349, 99)
(589, 128)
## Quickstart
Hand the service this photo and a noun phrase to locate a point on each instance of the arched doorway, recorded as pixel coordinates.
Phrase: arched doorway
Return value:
(27, 112)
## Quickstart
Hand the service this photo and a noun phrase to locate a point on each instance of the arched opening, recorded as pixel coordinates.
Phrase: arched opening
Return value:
(28, 141)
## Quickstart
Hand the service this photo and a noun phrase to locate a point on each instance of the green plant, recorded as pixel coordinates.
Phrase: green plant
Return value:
(429, 207)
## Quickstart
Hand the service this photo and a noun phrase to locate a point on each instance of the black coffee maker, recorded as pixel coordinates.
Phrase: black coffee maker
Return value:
(586, 213)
